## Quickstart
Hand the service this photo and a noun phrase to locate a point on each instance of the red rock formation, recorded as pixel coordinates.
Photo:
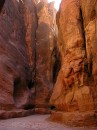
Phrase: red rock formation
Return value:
(30, 18)
(29, 60)
(73, 92)
(89, 21)
(17, 37)
(22, 61)
(45, 40)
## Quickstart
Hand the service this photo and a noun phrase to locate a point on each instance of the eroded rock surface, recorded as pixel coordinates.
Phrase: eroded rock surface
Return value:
(25, 62)
(17, 30)
(45, 49)
(89, 20)
(30, 60)
(75, 88)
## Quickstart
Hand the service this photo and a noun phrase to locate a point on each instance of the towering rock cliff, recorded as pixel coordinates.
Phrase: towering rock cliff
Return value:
(89, 14)
(32, 60)
(17, 44)
(75, 91)
(45, 47)
(26, 45)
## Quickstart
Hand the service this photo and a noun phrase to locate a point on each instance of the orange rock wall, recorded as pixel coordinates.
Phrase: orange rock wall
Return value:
(75, 89)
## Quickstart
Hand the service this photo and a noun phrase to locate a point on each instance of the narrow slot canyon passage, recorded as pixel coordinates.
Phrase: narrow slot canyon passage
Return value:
(48, 65)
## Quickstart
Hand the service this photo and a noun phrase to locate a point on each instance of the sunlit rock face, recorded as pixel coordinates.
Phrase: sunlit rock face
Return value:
(75, 88)
(89, 13)
(17, 42)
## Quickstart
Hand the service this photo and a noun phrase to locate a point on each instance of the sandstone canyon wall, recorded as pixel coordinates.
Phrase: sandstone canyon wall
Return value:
(17, 42)
(21, 22)
(75, 91)
(14, 64)
(45, 47)
(33, 60)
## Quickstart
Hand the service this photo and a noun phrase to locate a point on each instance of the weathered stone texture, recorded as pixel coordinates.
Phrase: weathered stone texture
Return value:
(26, 76)
(15, 65)
(75, 88)
(89, 14)
(45, 45)
(32, 61)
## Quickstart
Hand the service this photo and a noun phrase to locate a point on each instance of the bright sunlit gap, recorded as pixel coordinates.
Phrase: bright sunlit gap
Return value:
(57, 3)
(20, 0)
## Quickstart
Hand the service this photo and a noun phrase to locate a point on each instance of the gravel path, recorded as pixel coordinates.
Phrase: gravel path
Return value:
(35, 122)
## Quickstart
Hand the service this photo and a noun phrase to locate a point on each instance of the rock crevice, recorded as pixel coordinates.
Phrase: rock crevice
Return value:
(43, 67)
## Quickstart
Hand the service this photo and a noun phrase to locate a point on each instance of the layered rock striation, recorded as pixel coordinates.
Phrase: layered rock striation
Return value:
(14, 61)
(21, 22)
(17, 44)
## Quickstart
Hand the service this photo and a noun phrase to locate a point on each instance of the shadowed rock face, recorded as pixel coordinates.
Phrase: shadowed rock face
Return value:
(17, 39)
(75, 89)
(26, 63)
(45, 49)
(1, 4)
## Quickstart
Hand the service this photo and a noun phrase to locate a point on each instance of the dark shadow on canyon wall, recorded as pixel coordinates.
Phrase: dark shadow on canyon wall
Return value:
(57, 64)
(1, 4)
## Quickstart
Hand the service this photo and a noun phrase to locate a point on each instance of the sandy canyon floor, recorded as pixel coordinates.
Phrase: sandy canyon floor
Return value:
(35, 122)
